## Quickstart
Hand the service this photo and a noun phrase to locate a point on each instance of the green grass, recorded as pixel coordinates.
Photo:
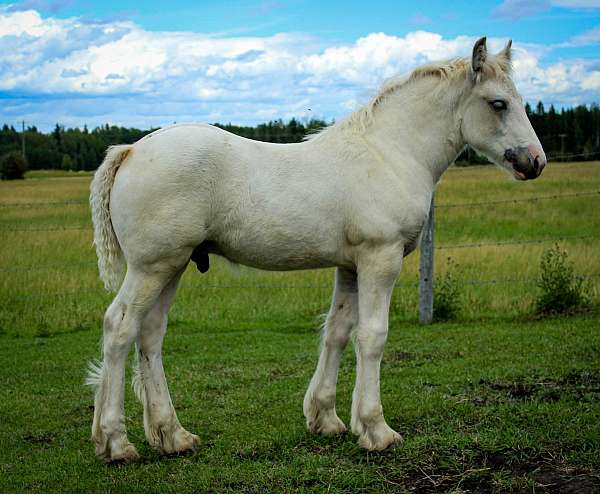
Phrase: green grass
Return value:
(484, 405)
(496, 402)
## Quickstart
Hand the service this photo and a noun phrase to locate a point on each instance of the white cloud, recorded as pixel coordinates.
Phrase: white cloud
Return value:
(73, 71)
(577, 4)
(589, 37)
(591, 81)
(518, 9)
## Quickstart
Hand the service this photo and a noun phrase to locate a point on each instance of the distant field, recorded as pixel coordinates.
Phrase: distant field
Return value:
(56, 174)
(50, 281)
(495, 402)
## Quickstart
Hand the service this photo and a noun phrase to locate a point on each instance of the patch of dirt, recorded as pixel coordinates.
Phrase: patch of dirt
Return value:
(416, 359)
(555, 481)
(547, 475)
(582, 386)
(400, 356)
(38, 438)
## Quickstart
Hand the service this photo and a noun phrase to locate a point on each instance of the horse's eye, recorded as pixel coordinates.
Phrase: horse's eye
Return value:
(498, 105)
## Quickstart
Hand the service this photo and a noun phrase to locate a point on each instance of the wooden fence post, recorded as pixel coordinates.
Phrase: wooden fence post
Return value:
(426, 270)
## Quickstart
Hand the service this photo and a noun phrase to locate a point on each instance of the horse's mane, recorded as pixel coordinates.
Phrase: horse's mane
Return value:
(447, 72)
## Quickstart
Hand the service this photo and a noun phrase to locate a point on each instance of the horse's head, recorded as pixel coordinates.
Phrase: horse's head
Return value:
(494, 121)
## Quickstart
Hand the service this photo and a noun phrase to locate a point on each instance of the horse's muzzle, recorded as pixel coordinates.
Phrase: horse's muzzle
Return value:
(527, 162)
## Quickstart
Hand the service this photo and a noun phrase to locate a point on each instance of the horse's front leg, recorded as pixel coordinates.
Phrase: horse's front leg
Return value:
(377, 273)
(319, 401)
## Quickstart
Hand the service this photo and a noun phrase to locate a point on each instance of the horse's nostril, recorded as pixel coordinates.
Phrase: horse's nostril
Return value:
(536, 163)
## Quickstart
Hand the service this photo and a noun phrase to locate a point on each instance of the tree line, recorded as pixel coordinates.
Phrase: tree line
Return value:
(574, 132)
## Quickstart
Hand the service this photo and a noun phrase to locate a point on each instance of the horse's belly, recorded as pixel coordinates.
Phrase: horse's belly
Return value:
(276, 258)
(276, 250)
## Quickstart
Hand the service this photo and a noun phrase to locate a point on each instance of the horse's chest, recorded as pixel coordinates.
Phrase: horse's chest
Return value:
(388, 225)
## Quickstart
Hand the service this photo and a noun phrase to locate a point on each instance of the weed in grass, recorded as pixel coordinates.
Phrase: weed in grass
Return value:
(43, 329)
(447, 295)
(561, 291)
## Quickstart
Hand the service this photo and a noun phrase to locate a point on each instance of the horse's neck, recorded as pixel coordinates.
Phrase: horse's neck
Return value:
(420, 127)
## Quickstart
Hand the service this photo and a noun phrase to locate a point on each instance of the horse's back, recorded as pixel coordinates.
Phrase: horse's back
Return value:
(162, 190)
(185, 184)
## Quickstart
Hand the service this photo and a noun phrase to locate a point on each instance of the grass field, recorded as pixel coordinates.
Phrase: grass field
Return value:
(497, 401)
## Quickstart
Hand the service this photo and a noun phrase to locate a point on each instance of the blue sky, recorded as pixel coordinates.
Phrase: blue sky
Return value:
(247, 61)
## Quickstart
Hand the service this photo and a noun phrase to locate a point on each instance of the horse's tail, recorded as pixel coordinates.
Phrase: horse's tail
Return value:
(110, 255)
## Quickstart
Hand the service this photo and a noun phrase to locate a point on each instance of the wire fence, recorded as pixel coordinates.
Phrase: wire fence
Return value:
(576, 155)
(99, 292)
(518, 200)
(91, 264)
(40, 204)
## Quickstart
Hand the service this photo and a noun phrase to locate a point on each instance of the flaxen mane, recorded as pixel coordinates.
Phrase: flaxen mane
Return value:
(447, 72)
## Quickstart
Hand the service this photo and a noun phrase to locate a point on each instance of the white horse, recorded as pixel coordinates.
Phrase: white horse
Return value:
(354, 196)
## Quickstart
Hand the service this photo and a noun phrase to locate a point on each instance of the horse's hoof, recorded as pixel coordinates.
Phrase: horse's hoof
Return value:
(125, 457)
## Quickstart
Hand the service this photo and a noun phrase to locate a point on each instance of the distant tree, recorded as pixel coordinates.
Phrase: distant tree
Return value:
(67, 163)
(572, 131)
(12, 166)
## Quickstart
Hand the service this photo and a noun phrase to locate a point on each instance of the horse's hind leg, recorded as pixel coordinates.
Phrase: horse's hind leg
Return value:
(122, 324)
(163, 430)
(319, 401)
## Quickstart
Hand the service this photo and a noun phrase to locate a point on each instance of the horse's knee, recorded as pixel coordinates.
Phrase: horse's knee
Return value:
(337, 337)
(120, 328)
(113, 317)
(153, 330)
(340, 323)
(371, 340)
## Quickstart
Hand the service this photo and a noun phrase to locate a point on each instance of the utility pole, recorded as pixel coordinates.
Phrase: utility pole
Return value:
(562, 144)
(23, 139)
(426, 270)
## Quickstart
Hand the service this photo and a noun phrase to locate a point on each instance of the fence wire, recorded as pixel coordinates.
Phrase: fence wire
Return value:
(517, 242)
(41, 204)
(50, 228)
(100, 292)
(576, 155)
(59, 228)
(92, 264)
(518, 200)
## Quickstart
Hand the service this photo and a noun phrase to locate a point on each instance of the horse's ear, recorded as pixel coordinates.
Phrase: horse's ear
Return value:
(507, 51)
(479, 54)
